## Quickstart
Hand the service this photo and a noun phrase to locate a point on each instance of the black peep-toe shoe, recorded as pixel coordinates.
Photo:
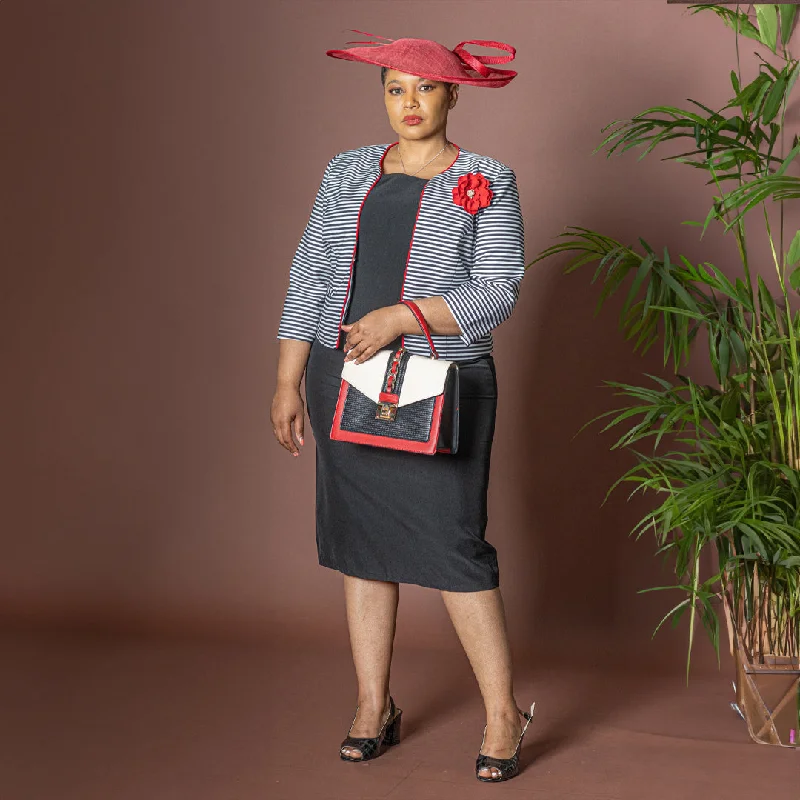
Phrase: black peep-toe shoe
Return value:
(507, 767)
(388, 735)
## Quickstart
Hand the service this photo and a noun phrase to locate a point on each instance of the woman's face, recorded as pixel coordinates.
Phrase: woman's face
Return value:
(408, 95)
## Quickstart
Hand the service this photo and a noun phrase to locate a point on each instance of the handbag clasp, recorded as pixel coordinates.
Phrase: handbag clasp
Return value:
(387, 411)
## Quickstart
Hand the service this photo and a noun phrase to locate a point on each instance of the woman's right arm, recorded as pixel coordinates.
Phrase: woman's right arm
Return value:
(310, 273)
(309, 276)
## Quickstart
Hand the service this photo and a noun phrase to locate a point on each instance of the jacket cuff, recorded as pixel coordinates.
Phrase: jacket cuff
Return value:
(480, 306)
(300, 337)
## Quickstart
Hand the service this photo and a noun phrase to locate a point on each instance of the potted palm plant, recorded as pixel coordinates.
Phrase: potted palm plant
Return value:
(724, 459)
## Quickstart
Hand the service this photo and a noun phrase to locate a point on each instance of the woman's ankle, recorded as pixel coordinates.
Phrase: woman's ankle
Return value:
(502, 710)
(374, 702)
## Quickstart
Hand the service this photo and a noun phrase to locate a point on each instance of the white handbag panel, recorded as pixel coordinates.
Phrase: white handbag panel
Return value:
(367, 377)
(424, 377)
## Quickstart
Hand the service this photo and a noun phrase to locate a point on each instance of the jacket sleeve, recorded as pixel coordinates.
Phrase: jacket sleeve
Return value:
(309, 274)
(488, 297)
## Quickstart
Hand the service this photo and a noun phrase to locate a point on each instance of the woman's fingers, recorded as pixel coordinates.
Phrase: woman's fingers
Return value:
(352, 340)
(298, 428)
(286, 437)
(287, 412)
(367, 353)
(358, 352)
(359, 346)
(283, 433)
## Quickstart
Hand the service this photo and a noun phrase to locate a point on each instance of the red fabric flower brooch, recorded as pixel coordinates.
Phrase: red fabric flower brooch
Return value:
(472, 192)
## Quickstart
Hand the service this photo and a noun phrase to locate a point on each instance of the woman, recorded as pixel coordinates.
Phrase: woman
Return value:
(419, 219)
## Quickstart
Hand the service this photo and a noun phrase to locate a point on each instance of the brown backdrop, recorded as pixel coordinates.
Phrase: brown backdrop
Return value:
(159, 161)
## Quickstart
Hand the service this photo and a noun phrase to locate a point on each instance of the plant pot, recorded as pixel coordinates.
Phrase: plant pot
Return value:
(767, 691)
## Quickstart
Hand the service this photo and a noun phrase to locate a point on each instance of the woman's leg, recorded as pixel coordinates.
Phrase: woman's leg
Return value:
(479, 620)
(372, 619)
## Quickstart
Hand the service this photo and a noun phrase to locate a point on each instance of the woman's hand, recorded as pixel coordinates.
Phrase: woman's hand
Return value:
(374, 330)
(287, 414)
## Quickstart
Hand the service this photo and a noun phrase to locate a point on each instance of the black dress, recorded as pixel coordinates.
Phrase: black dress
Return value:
(391, 515)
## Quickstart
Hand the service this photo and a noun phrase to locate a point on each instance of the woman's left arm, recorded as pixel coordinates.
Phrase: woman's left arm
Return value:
(487, 299)
(474, 307)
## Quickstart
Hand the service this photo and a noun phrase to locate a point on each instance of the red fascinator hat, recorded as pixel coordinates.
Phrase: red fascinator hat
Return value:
(430, 59)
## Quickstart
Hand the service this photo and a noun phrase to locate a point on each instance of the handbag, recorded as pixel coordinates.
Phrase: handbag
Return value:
(400, 401)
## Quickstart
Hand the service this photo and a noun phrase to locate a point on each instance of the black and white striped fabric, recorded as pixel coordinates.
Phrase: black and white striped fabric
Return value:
(474, 261)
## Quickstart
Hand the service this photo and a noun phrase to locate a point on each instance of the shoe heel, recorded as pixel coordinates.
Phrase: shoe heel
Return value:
(370, 748)
(393, 731)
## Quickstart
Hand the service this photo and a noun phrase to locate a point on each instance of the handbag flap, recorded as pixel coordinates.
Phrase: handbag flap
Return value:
(367, 377)
(423, 378)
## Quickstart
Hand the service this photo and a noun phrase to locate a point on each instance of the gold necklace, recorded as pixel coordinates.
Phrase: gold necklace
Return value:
(424, 165)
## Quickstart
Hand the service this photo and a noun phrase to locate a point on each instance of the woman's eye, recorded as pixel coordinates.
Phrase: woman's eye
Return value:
(424, 86)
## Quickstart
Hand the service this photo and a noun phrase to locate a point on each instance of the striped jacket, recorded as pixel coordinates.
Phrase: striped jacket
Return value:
(474, 261)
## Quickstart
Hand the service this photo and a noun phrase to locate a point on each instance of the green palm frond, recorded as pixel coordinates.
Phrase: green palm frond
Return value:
(722, 461)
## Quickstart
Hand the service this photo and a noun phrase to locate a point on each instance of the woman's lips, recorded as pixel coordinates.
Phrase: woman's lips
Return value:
(412, 120)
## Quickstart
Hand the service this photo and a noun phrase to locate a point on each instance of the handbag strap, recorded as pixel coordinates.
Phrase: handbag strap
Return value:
(422, 323)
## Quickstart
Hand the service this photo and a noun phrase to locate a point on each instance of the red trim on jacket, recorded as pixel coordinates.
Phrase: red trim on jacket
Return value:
(413, 230)
(355, 246)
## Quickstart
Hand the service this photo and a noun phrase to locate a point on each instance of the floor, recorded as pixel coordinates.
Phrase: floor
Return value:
(101, 717)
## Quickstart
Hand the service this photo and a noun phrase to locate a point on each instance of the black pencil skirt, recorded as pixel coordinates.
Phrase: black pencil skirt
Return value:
(390, 515)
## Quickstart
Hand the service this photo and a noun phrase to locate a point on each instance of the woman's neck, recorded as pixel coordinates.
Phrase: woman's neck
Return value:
(416, 152)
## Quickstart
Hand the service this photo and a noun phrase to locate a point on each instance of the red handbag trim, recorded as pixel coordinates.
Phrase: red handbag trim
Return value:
(426, 448)
(394, 365)
(388, 396)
